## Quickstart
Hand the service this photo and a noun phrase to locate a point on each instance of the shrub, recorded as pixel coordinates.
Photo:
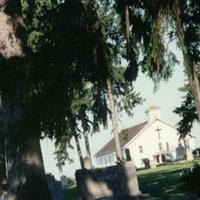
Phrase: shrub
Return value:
(71, 181)
(190, 179)
(196, 153)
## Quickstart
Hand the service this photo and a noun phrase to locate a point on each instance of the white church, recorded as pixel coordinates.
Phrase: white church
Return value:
(155, 140)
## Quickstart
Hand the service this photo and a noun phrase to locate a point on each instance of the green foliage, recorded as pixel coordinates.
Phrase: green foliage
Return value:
(185, 14)
(187, 112)
(71, 193)
(65, 53)
(70, 36)
(149, 23)
(61, 81)
(71, 181)
(189, 14)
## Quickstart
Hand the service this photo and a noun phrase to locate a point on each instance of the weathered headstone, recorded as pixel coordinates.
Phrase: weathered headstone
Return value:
(128, 155)
(55, 188)
(87, 163)
(180, 152)
(153, 164)
(146, 162)
(113, 182)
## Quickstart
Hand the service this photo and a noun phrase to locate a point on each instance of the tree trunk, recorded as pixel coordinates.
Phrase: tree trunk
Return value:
(79, 151)
(195, 85)
(131, 71)
(24, 164)
(87, 146)
(25, 170)
(114, 122)
(190, 68)
(127, 29)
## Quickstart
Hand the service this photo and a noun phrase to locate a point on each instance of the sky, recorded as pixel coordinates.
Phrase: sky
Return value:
(167, 97)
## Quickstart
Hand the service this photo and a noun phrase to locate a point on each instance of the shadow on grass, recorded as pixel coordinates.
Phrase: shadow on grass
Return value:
(161, 182)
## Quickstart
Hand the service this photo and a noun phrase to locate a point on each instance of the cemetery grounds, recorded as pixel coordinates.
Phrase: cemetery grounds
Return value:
(162, 182)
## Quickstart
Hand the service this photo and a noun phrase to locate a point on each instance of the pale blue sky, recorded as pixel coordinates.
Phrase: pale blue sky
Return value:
(167, 98)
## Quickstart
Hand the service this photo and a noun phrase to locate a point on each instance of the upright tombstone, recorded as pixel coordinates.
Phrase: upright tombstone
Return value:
(55, 188)
(128, 155)
(180, 152)
(87, 163)
(114, 182)
(153, 164)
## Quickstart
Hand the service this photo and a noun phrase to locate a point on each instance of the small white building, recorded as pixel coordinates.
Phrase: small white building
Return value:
(155, 140)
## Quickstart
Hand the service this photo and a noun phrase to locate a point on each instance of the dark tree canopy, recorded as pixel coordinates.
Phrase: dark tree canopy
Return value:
(69, 54)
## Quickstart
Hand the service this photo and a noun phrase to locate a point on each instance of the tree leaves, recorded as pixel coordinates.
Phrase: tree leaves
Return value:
(187, 112)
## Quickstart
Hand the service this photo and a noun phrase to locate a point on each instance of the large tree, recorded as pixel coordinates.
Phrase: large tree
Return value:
(25, 171)
(49, 54)
(38, 74)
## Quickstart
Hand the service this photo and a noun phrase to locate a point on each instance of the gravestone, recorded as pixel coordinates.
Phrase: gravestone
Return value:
(87, 163)
(115, 182)
(128, 155)
(55, 188)
(153, 164)
(180, 152)
(146, 162)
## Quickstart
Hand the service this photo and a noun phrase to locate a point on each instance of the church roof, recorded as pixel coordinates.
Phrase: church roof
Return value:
(124, 137)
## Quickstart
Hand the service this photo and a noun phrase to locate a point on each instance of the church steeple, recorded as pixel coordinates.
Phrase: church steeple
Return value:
(153, 113)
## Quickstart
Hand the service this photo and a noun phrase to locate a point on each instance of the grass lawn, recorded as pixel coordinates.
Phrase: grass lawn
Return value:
(71, 193)
(161, 182)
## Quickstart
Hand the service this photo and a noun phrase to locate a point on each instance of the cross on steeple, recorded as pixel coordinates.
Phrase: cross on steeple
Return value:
(158, 130)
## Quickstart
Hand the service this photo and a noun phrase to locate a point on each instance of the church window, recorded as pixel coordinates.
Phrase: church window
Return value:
(167, 146)
(105, 160)
(160, 146)
(110, 160)
(140, 149)
(100, 161)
